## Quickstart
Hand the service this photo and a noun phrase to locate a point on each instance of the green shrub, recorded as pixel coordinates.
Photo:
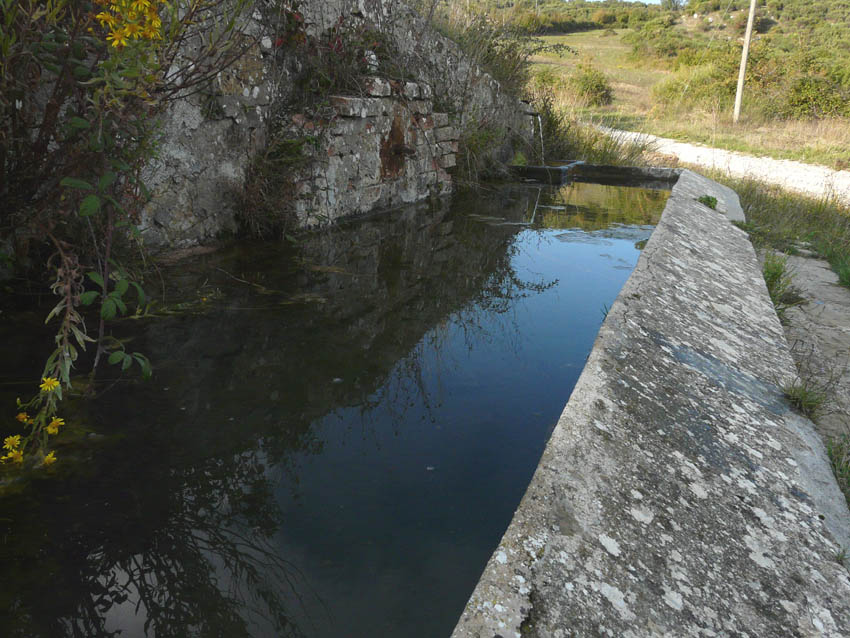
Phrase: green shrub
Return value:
(815, 97)
(706, 85)
(591, 85)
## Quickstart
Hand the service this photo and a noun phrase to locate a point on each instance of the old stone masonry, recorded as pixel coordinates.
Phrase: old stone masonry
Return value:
(381, 150)
(382, 147)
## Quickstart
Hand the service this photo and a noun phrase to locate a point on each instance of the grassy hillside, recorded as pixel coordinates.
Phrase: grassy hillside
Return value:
(675, 75)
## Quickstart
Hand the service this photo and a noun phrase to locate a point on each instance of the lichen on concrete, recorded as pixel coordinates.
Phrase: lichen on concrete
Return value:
(678, 494)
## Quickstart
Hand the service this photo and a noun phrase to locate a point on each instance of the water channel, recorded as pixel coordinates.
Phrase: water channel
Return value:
(338, 430)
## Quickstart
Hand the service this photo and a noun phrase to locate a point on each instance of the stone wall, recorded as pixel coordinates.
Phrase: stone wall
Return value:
(381, 149)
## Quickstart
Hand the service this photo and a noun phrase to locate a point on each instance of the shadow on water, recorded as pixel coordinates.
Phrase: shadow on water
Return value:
(337, 432)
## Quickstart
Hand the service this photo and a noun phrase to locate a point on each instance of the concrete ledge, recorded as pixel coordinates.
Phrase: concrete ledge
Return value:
(579, 171)
(678, 495)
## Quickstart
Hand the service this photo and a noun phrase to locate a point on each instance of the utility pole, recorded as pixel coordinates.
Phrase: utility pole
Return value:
(749, 34)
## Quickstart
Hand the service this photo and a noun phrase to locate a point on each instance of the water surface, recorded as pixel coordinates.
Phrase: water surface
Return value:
(337, 433)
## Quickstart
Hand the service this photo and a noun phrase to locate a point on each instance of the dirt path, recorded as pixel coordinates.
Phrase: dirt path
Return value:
(810, 179)
(818, 332)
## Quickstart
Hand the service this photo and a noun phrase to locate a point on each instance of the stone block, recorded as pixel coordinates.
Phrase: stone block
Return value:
(357, 106)
(377, 87)
(348, 127)
(410, 90)
(423, 107)
(449, 160)
(425, 91)
(424, 122)
(440, 119)
(445, 133)
(446, 148)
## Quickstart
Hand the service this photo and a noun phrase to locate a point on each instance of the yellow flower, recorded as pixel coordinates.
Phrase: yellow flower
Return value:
(140, 5)
(50, 459)
(49, 384)
(22, 417)
(132, 30)
(53, 426)
(118, 38)
(12, 442)
(106, 19)
(15, 456)
(151, 33)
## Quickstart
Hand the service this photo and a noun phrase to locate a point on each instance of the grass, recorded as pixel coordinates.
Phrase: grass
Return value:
(824, 141)
(807, 397)
(780, 283)
(838, 450)
(785, 221)
(569, 139)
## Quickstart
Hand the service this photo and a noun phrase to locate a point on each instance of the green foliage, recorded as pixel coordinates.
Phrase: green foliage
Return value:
(838, 449)
(780, 283)
(591, 85)
(709, 86)
(797, 68)
(708, 200)
(568, 139)
(806, 397)
(815, 97)
(81, 84)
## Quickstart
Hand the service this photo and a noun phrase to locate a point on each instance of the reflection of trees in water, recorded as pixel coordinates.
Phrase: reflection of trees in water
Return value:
(489, 304)
(595, 206)
(194, 559)
(182, 548)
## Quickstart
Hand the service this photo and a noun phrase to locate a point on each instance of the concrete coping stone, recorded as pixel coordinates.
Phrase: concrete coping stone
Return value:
(678, 494)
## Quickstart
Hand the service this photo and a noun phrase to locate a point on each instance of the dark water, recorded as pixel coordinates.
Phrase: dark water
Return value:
(337, 433)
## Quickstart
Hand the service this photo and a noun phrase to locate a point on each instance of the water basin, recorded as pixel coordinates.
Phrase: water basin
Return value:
(338, 431)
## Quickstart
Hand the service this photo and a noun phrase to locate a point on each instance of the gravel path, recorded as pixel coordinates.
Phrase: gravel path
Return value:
(809, 179)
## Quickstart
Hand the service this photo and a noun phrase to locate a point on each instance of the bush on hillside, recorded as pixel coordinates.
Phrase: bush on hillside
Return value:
(709, 85)
(591, 86)
(815, 97)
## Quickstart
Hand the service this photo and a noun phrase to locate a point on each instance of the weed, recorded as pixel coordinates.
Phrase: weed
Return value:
(780, 219)
(780, 283)
(806, 396)
(476, 148)
(568, 139)
(265, 203)
(709, 201)
(838, 449)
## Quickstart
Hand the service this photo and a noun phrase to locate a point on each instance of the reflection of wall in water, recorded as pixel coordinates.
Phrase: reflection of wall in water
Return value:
(373, 288)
